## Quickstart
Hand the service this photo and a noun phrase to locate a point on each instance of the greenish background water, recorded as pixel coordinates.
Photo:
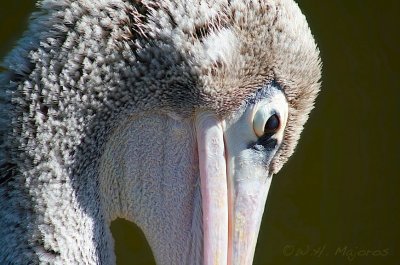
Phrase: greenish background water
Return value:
(339, 193)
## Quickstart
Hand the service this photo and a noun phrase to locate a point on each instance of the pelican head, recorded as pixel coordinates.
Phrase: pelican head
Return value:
(171, 114)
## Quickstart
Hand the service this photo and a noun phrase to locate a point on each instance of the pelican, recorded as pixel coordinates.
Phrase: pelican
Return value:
(171, 114)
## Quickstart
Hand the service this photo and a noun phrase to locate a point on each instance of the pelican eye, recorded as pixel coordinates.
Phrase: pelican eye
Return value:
(272, 124)
(266, 122)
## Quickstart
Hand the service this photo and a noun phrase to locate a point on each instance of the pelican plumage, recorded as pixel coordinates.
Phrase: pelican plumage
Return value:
(171, 114)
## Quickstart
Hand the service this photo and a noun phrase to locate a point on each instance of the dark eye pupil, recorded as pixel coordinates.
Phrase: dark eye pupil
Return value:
(272, 124)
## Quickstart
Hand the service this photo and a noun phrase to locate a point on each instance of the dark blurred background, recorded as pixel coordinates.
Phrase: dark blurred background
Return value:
(337, 200)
